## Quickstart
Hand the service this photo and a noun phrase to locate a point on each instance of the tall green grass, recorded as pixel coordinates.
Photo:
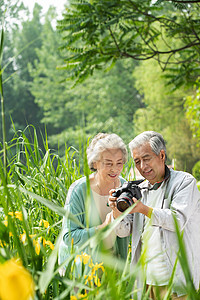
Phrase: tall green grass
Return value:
(33, 188)
(36, 186)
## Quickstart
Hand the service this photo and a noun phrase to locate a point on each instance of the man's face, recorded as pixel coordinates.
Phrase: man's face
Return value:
(150, 165)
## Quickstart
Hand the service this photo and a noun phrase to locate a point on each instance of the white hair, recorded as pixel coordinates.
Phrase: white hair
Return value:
(155, 140)
(102, 142)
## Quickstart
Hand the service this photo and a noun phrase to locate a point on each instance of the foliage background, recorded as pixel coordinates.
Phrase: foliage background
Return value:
(126, 93)
(126, 67)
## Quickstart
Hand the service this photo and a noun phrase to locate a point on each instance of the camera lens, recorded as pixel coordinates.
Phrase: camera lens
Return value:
(122, 205)
(124, 201)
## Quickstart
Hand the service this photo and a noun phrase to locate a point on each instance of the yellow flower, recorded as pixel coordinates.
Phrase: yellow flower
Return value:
(49, 243)
(32, 236)
(46, 223)
(42, 241)
(86, 258)
(6, 221)
(96, 267)
(91, 264)
(73, 298)
(23, 237)
(2, 244)
(83, 257)
(37, 246)
(36, 243)
(11, 214)
(97, 281)
(88, 279)
(83, 296)
(17, 215)
(16, 282)
(93, 277)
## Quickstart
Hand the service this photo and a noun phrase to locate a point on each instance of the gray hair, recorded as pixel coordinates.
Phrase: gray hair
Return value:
(102, 142)
(155, 140)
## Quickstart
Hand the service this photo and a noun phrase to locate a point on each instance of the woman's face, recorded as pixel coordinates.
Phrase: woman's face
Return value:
(110, 165)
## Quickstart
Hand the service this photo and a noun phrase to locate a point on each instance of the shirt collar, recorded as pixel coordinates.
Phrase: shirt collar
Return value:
(158, 184)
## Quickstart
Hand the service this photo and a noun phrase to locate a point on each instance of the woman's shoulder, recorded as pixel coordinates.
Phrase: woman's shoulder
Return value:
(77, 188)
(78, 184)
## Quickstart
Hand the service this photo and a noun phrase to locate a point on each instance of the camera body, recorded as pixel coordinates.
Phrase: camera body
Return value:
(125, 193)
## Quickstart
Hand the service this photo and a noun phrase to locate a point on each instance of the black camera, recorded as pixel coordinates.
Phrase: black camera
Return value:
(125, 193)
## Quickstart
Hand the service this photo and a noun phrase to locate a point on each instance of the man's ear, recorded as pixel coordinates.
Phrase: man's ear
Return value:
(162, 155)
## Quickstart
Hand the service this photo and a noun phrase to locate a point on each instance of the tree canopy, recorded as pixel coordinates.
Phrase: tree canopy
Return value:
(106, 102)
(132, 87)
(192, 106)
(164, 112)
(96, 33)
(21, 39)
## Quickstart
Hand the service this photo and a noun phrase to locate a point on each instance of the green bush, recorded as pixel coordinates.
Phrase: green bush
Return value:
(196, 171)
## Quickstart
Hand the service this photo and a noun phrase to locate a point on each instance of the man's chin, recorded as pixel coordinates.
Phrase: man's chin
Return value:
(148, 175)
(150, 178)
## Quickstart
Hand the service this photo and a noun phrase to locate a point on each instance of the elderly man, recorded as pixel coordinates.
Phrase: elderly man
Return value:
(166, 194)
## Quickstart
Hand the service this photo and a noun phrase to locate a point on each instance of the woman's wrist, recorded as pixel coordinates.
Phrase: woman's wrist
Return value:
(99, 227)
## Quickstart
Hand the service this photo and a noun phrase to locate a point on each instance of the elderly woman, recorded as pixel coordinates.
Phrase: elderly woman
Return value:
(106, 156)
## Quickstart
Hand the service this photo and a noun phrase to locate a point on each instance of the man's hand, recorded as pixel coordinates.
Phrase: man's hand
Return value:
(141, 208)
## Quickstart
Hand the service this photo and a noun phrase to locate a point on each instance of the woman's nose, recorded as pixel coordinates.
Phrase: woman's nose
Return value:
(113, 167)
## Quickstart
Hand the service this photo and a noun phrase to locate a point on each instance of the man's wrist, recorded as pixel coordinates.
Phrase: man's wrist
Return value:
(149, 212)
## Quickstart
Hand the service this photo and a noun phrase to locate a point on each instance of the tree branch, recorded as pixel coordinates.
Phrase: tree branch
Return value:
(182, 1)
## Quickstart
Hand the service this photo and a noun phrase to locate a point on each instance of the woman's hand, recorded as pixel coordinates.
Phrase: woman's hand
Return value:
(113, 204)
(139, 206)
(107, 221)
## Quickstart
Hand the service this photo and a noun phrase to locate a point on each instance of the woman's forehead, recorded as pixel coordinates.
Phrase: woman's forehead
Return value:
(110, 154)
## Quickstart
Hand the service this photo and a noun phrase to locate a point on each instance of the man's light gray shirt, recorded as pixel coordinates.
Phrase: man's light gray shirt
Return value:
(182, 200)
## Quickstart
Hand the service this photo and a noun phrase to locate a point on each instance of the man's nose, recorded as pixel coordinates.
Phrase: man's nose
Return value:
(142, 164)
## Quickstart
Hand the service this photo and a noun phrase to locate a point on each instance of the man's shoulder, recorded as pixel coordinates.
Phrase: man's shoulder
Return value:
(180, 178)
(174, 174)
